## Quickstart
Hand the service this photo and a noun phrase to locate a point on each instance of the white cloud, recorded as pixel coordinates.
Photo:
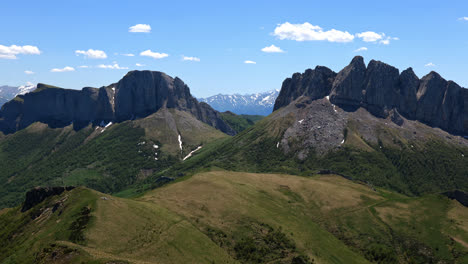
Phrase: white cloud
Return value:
(249, 62)
(140, 65)
(309, 32)
(114, 66)
(13, 50)
(92, 54)
(361, 49)
(65, 69)
(154, 55)
(140, 28)
(29, 72)
(84, 66)
(272, 49)
(185, 58)
(463, 19)
(128, 54)
(430, 64)
(370, 36)
(385, 41)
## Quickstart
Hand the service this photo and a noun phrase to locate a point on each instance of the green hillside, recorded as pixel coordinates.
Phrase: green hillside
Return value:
(240, 122)
(412, 167)
(230, 217)
(105, 159)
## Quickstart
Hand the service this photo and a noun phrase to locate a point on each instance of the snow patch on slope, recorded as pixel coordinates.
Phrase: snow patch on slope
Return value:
(180, 142)
(191, 153)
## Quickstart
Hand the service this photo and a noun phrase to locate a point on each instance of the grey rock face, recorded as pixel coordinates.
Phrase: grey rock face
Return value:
(452, 108)
(141, 93)
(138, 94)
(465, 110)
(315, 84)
(348, 84)
(430, 96)
(409, 84)
(380, 89)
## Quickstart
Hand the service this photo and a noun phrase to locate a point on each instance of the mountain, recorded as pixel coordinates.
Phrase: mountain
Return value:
(381, 89)
(9, 92)
(248, 104)
(321, 124)
(138, 94)
(351, 167)
(3, 100)
(106, 139)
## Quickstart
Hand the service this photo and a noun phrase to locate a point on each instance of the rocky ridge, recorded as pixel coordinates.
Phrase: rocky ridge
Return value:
(138, 94)
(383, 91)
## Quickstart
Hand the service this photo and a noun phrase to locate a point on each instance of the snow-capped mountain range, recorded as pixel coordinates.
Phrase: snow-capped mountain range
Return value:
(251, 104)
(9, 92)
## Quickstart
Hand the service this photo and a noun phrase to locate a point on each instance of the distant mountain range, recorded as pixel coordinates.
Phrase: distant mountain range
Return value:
(9, 92)
(251, 104)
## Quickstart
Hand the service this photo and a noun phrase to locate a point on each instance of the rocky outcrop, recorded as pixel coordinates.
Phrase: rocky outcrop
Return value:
(315, 84)
(383, 91)
(348, 85)
(39, 194)
(460, 196)
(138, 94)
(381, 88)
(409, 84)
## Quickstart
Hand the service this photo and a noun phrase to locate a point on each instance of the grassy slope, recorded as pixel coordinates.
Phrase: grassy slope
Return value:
(240, 122)
(107, 161)
(412, 168)
(209, 217)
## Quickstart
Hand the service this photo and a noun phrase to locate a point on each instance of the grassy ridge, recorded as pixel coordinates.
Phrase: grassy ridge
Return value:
(233, 217)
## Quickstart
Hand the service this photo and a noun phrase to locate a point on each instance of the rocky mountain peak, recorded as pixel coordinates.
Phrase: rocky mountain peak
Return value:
(380, 88)
(347, 87)
(138, 94)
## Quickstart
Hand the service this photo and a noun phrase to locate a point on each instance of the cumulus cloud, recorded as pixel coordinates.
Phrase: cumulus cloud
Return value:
(463, 19)
(185, 58)
(13, 50)
(385, 41)
(140, 28)
(430, 64)
(361, 49)
(154, 55)
(114, 66)
(249, 62)
(65, 69)
(84, 66)
(370, 36)
(29, 72)
(92, 54)
(140, 65)
(272, 49)
(128, 54)
(309, 32)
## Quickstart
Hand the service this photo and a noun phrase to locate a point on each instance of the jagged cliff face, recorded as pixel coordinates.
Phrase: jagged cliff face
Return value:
(138, 94)
(380, 88)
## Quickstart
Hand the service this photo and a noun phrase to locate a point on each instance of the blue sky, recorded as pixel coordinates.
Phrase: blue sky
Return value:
(223, 35)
